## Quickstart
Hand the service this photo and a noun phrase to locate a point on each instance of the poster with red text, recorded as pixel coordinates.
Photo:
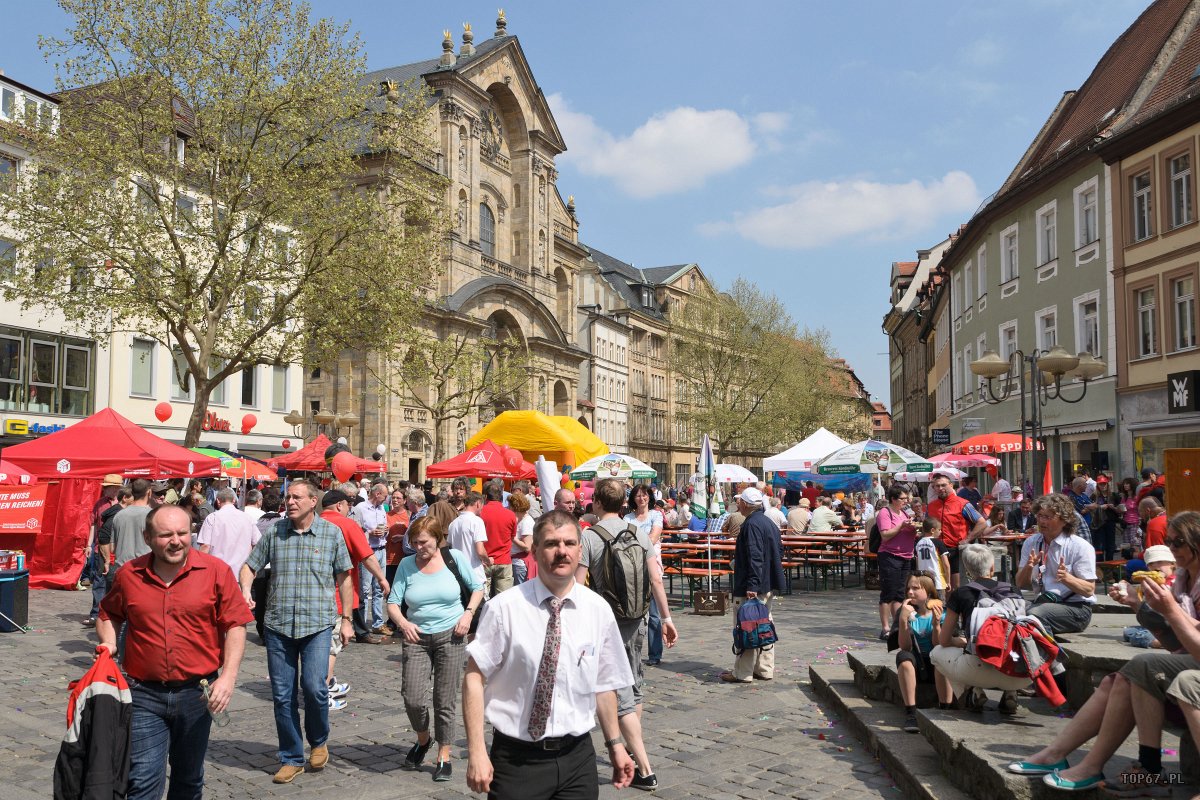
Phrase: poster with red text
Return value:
(21, 509)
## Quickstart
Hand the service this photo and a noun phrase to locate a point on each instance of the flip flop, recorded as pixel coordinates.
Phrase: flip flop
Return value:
(1029, 768)
(1056, 781)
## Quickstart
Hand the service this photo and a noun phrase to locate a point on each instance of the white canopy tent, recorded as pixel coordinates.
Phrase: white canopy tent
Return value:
(801, 457)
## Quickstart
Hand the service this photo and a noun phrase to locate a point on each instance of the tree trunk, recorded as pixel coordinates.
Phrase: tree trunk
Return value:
(199, 409)
(439, 446)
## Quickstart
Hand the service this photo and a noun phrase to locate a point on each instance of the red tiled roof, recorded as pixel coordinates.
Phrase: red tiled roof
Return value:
(906, 268)
(1113, 82)
(1176, 80)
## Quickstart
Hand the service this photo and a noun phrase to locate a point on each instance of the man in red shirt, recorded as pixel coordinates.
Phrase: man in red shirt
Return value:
(186, 618)
(961, 523)
(812, 493)
(501, 527)
(1154, 522)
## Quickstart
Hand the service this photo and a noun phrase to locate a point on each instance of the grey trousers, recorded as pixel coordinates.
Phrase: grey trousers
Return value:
(440, 656)
(1063, 617)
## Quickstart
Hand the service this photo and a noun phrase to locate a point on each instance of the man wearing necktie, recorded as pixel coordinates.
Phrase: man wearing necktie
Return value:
(561, 638)
(1021, 519)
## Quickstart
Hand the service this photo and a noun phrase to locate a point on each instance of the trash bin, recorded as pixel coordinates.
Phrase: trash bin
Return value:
(14, 599)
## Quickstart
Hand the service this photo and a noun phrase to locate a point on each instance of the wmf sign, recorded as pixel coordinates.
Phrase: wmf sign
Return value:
(1182, 395)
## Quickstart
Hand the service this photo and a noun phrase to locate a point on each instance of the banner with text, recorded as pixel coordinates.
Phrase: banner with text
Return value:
(21, 508)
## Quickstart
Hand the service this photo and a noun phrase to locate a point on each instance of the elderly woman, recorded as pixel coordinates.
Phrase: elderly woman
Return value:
(965, 671)
(426, 609)
(1137, 694)
(899, 536)
(1060, 566)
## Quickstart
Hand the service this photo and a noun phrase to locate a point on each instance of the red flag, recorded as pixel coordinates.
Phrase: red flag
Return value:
(1048, 480)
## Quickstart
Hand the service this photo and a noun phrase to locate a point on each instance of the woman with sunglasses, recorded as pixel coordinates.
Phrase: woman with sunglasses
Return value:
(1110, 714)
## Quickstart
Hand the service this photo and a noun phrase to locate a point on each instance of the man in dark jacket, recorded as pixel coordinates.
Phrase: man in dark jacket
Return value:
(757, 573)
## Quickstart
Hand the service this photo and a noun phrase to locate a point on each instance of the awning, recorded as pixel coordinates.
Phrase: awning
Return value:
(1081, 427)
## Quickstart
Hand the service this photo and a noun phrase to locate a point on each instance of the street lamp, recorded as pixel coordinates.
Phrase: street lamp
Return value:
(323, 418)
(294, 419)
(1046, 371)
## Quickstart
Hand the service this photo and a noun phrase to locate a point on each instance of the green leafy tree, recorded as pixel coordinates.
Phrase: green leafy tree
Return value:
(454, 375)
(750, 380)
(218, 178)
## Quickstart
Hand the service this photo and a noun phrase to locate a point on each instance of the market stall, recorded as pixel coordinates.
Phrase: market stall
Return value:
(560, 439)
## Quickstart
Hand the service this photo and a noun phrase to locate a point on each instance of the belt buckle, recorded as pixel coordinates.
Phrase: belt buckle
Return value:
(552, 744)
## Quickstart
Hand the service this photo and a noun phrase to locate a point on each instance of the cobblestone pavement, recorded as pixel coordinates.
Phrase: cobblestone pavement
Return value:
(706, 739)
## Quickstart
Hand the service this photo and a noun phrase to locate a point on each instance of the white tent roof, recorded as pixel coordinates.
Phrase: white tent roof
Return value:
(801, 457)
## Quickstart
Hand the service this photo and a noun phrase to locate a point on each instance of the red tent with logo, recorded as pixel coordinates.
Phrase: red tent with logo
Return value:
(311, 458)
(73, 461)
(994, 443)
(484, 460)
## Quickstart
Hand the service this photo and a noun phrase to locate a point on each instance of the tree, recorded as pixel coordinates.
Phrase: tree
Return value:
(204, 186)
(750, 380)
(454, 375)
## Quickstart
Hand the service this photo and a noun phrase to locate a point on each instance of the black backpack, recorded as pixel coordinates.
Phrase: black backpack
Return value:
(623, 579)
(874, 537)
(464, 591)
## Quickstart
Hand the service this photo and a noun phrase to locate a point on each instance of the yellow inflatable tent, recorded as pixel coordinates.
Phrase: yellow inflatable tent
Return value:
(563, 440)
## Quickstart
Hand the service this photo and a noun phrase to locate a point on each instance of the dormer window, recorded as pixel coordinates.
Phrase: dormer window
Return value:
(647, 299)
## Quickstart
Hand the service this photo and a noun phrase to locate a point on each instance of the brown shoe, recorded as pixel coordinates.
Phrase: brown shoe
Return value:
(319, 757)
(287, 773)
(369, 638)
(729, 677)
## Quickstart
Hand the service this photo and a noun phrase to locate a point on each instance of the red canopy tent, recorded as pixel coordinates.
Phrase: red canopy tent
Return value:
(12, 475)
(74, 460)
(994, 443)
(311, 458)
(481, 461)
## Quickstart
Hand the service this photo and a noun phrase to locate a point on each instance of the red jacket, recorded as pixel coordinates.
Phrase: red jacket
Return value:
(1020, 649)
(93, 760)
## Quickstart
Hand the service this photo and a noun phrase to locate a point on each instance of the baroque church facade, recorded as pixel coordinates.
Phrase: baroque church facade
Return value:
(510, 265)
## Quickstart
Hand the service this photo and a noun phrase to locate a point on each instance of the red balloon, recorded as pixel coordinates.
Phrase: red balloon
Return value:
(566, 480)
(248, 423)
(287, 444)
(512, 459)
(343, 466)
(163, 411)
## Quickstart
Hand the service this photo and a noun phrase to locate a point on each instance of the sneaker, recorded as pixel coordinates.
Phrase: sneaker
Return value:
(287, 773)
(1008, 704)
(883, 636)
(338, 689)
(90, 622)
(336, 704)
(910, 724)
(416, 755)
(442, 771)
(647, 783)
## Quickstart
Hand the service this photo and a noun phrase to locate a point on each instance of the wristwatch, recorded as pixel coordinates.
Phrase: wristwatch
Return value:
(611, 743)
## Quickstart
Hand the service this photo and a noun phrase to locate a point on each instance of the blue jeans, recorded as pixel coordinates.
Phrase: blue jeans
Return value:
(169, 726)
(654, 637)
(312, 653)
(99, 583)
(520, 571)
(371, 594)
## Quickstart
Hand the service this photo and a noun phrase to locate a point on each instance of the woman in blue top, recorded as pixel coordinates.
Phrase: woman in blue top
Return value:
(920, 621)
(650, 522)
(426, 607)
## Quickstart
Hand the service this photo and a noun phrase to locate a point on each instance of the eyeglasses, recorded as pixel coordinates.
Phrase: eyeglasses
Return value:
(1175, 543)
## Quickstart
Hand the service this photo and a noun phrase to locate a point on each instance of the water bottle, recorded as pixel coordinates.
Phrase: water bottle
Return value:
(221, 718)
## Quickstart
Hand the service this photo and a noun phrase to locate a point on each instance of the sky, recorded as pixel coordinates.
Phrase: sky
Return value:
(804, 146)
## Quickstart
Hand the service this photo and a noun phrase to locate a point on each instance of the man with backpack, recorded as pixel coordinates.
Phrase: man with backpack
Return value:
(757, 574)
(619, 564)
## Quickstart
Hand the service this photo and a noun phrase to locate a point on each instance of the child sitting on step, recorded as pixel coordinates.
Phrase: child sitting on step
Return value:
(1159, 558)
(919, 623)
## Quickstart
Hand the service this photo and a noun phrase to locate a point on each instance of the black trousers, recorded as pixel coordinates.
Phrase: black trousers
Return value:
(258, 593)
(520, 772)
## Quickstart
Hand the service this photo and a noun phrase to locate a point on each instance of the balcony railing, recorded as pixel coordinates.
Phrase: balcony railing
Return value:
(497, 160)
(497, 267)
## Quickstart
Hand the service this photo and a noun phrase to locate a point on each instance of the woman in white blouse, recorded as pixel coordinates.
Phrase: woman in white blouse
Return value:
(650, 522)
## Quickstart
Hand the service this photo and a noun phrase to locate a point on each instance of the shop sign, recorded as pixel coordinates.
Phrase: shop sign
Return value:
(214, 423)
(22, 427)
(1181, 392)
(940, 437)
(972, 424)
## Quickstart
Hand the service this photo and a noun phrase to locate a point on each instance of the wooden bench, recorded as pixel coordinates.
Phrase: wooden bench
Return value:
(1110, 571)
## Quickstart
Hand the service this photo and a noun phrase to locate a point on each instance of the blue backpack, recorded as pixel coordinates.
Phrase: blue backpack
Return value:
(753, 628)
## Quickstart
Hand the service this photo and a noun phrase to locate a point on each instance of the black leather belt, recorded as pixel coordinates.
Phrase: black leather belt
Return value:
(548, 744)
(173, 685)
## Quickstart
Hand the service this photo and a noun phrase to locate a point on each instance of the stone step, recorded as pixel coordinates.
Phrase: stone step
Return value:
(976, 748)
(913, 764)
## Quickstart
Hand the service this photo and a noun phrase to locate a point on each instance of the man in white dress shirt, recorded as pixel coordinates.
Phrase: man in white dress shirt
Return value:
(560, 638)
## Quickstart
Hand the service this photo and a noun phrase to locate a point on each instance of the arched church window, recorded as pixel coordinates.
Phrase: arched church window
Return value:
(487, 231)
(516, 195)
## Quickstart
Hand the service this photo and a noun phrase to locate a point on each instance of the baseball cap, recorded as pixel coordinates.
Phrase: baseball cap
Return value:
(751, 496)
(1158, 552)
(333, 497)
(112, 479)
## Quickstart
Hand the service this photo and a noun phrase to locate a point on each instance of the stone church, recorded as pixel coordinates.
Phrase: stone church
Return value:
(510, 265)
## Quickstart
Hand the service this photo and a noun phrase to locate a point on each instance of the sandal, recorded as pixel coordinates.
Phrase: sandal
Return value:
(1135, 781)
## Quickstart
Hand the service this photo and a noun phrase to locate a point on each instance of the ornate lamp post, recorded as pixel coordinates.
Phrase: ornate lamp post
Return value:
(1046, 369)
(294, 419)
(324, 418)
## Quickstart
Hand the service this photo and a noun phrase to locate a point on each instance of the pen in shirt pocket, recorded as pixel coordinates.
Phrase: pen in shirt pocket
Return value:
(587, 651)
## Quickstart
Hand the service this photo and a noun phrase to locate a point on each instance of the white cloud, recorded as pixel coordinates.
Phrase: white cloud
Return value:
(819, 214)
(673, 151)
(983, 52)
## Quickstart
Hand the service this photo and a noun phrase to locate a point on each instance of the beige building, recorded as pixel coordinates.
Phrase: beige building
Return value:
(511, 263)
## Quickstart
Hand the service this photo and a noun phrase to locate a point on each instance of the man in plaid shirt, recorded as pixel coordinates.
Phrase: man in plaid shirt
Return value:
(308, 556)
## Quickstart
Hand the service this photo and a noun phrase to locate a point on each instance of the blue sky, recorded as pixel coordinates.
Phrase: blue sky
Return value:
(802, 145)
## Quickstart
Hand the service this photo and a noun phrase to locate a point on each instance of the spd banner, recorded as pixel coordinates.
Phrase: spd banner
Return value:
(21, 508)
